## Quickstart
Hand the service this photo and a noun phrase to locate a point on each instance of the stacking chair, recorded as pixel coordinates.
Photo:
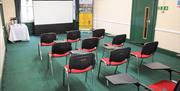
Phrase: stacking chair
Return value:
(90, 45)
(118, 41)
(73, 37)
(163, 85)
(79, 64)
(117, 57)
(99, 33)
(147, 51)
(166, 85)
(59, 50)
(46, 39)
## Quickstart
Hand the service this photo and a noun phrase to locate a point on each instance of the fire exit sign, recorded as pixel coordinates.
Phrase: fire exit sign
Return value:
(164, 8)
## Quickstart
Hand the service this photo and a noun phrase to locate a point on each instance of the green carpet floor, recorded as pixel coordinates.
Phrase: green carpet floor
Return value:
(24, 71)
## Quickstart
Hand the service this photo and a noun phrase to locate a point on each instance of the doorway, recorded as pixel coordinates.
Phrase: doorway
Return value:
(143, 20)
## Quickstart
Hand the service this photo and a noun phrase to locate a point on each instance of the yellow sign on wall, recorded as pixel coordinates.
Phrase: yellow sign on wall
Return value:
(85, 14)
(85, 21)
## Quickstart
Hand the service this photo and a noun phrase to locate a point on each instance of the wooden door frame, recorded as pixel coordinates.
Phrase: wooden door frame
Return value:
(153, 19)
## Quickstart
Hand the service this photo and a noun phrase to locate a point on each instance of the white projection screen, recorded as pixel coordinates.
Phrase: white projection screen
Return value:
(52, 12)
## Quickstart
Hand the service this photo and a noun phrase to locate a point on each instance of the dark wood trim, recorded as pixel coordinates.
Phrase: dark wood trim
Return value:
(57, 28)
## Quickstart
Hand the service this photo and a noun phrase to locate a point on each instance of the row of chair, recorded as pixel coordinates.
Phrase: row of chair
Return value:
(86, 62)
(47, 39)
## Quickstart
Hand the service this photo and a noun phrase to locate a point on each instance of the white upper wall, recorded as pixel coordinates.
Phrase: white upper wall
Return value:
(113, 15)
(168, 26)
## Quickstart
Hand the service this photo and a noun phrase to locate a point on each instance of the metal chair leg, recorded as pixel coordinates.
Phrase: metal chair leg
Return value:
(141, 62)
(127, 65)
(92, 78)
(103, 52)
(99, 68)
(75, 45)
(40, 52)
(64, 74)
(86, 76)
(96, 55)
(116, 70)
(153, 58)
(66, 59)
(51, 65)
(67, 75)
(137, 67)
(107, 82)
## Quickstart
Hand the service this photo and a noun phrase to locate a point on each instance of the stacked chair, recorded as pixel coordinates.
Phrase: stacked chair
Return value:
(117, 57)
(83, 63)
(46, 39)
(59, 50)
(79, 64)
(147, 51)
(73, 37)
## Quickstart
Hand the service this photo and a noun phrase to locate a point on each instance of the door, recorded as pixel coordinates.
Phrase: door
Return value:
(143, 20)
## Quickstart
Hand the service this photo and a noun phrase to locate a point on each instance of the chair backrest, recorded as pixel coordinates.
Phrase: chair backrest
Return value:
(73, 35)
(47, 37)
(99, 33)
(177, 87)
(60, 48)
(90, 43)
(149, 48)
(120, 54)
(82, 61)
(119, 39)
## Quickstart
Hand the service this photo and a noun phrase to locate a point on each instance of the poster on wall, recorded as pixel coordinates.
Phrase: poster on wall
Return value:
(85, 14)
(178, 3)
(85, 2)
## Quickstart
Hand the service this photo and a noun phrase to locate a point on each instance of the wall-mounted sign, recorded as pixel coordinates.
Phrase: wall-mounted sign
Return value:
(85, 14)
(85, 1)
(178, 3)
(165, 8)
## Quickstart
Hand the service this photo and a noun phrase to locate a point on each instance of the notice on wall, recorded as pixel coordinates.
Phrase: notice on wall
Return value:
(178, 3)
(85, 14)
(85, 1)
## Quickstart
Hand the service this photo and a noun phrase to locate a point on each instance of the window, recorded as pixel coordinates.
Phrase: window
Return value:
(26, 11)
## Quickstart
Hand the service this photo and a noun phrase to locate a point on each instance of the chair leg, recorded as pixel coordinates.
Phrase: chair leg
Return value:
(115, 70)
(66, 59)
(96, 55)
(64, 75)
(92, 78)
(99, 68)
(51, 65)
(153, 58)
(75, 45)
(137, 67)
(86, 76)
(141, 62)
(67, 75)
(40, 52)
(127, 65)
(107, 82)
(103, 52)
